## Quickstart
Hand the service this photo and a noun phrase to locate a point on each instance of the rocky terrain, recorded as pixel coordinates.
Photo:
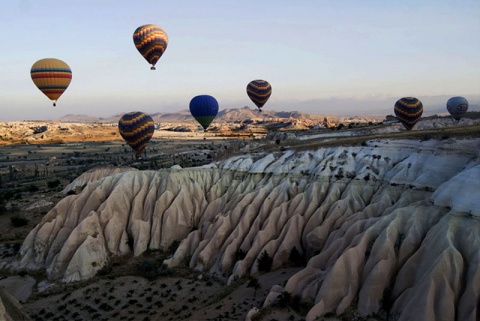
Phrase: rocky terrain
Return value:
(240, 122)
(368, 223)
(392, 226)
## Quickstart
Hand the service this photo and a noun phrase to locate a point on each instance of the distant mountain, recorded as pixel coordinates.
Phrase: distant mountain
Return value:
(71, 118)
(184, 116)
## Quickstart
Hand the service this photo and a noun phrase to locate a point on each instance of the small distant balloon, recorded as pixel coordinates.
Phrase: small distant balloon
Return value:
(259, 92)
(52, 76)
(408, 110)
(137, 129)
(151, 41)
(204, 109)
(457, 107)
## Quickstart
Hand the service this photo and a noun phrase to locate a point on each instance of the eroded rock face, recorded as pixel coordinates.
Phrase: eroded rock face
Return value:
(390, 226)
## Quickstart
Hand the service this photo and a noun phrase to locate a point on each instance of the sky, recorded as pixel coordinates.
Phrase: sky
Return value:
(345, 57)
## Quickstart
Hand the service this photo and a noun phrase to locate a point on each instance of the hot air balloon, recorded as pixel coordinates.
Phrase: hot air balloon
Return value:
(204, 109)
(457, 107)
(52, 76)
(259, 91)
(408, 110)
(137, 129)
(151, 41)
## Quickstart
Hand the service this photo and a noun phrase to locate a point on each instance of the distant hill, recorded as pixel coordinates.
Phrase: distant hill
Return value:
(71, 118)
(184, 116)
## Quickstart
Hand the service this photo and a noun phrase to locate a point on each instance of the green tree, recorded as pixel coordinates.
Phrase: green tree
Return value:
(264, 262)
(253, 283)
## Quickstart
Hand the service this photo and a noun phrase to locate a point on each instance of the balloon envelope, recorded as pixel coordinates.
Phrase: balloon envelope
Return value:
(52, 76)
(259, 91)
(137, 129)
(151, 41)
(408, 110)
(204, 109)
(457, 107)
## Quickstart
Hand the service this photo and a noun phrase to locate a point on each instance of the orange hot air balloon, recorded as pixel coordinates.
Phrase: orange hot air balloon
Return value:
(52, 76)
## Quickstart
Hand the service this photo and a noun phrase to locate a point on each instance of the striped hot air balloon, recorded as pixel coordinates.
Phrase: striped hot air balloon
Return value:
(457, 107)
(52, 76)
(259, 91)
(204, 109)
(151, 41)
(137, 129)
(408, 110)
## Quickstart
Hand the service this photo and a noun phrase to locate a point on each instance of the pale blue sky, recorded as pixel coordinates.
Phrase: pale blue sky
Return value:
(324, 57)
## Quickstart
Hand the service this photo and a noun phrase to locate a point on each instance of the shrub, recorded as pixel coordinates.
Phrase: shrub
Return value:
(32, 188)
(8, 195)
(18, 221)
(53, 184)
(296, 258)
(253, 283)
(284, 299)
(3, 208)
(264, 262)
(239, 255)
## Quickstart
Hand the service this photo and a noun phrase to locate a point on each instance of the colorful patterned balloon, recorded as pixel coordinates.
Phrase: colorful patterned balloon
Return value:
(137, 129)
(408, 110)
(204, 109)
(151, 41)
(259, 91)
(52, 76)
(457, 107)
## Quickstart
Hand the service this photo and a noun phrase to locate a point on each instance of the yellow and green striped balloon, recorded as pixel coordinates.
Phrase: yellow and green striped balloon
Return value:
(408, 110)
(52, 76)
(137, 129)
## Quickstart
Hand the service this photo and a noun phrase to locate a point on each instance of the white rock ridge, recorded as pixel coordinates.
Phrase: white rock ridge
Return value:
(391, 226)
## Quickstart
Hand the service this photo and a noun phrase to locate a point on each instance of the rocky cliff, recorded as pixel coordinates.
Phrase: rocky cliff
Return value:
(392, 226)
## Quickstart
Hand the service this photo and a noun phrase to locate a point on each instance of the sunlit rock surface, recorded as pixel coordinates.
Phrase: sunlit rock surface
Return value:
(391, 226)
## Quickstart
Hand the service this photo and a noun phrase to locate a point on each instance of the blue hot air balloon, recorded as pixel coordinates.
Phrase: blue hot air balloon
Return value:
(204, 109)
(457, 107)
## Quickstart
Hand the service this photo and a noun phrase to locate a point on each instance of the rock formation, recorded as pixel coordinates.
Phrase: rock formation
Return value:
(10, 309)
(392, 226)
(327, 123)
(94, 175)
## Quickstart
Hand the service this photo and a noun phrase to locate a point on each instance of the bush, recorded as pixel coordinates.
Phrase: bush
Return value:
(239, 255)
(296, 258)
(8, 195)
(3, 208)
(53, 184)
(18, 221)
(264, 262)
(32, 188)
